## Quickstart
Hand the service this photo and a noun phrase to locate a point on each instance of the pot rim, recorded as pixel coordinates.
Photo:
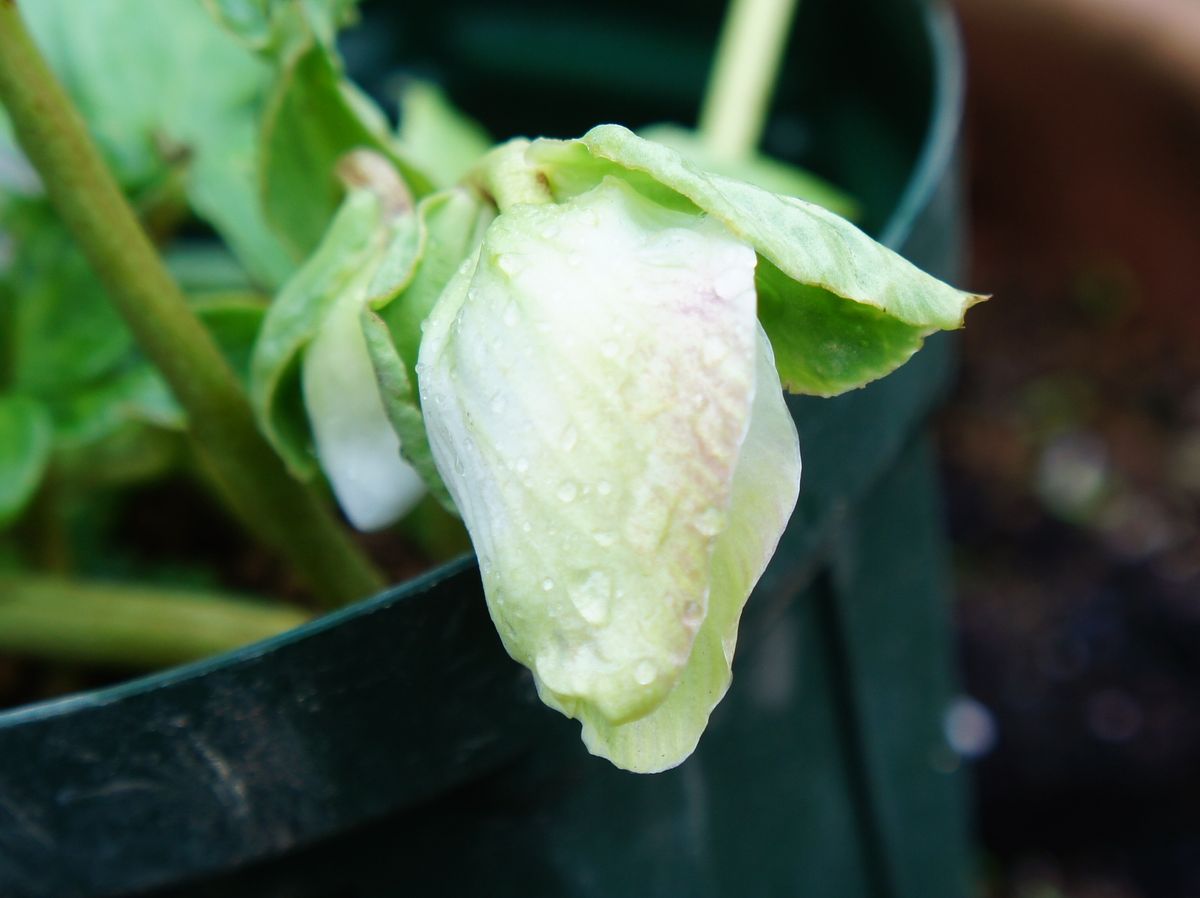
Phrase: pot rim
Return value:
(945, 122)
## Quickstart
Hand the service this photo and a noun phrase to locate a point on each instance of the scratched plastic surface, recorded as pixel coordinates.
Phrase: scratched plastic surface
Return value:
(394, 748)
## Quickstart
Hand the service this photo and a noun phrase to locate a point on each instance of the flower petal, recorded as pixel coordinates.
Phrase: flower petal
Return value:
(587, 384)
(358, 449)
(765, 488)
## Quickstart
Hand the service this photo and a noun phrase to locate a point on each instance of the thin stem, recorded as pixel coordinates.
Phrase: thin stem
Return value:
(742, 82)
(138, 627)
(283, 513)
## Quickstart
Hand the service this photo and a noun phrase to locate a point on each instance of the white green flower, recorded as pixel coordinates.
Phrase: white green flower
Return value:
(605, 409)
(606, 413)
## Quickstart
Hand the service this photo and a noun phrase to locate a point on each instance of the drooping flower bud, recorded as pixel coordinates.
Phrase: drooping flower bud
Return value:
(605, 411)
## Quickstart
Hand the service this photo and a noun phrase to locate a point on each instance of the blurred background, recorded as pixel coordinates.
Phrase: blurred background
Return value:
(1071, 446)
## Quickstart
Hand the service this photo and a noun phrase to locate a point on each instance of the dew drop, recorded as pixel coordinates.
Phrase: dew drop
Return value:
(693, 614)
(603, 487)
(645, 672)
(522, 465)
(508, 263)
(567, 491)
(591, 598)
(547, 584)
(710, 521)
(526, 527)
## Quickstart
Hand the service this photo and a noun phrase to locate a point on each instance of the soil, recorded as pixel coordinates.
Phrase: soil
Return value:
(1072, 460)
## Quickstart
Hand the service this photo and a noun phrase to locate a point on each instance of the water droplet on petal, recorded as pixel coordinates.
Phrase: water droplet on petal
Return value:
(709, 522)
(522, 465)
(645, 672)
(567, 491)
(547, 584)
(591, 598)
(603, 487)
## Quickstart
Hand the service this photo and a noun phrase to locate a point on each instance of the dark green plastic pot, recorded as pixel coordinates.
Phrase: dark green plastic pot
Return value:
(393, 748)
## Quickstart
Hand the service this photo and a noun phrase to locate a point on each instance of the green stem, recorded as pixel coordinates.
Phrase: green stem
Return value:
(284, 513)
(139, 627)
(742, 82)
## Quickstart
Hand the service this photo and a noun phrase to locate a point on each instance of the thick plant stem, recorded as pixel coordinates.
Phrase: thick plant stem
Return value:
(283, 513)
(132, 627)
(742, 82)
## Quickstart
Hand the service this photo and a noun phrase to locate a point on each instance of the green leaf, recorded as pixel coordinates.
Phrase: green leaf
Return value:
(438, 137)
(136, 394)
(72, 351)
(588, 384)
(222, 187)
(314, 118)
(451, 223)
(808, 246)
(197, 111)
(266, 25)
(824, 344)
(65, 332)
(26, 436)
(351, 245)
(398, 393)
(761, 171)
